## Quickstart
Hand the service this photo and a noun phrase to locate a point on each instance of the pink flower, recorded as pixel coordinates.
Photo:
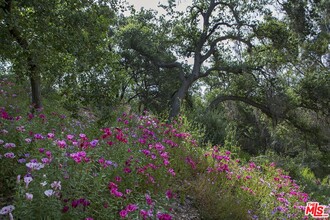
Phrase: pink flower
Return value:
(83, 136)
(131, 207)
(145, 214)
(48, 154)
(61, 144)
(116, 193)
(252, 165)
(171, 171)
(123, 213)
(28, 140)
(70, 137)
(148, 199)
(50, 135)
(38, 136)
(169, 194)
(127, 170)
(191, 162)
(164, 216)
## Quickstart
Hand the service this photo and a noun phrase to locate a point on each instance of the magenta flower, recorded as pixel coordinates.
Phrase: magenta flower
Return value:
(131, 207)
(48, 154)
(148, 199)
(169, 194)
(50, 135)
(171, 171)
(65, 209)
(38, 136)
(123, 213)
(164, 216)
(61, 144)
(127, 170)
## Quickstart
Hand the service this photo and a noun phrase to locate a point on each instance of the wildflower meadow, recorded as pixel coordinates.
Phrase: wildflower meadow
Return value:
(56, 167)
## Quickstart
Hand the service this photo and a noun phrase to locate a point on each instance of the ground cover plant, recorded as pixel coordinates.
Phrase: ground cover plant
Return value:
(56, 167)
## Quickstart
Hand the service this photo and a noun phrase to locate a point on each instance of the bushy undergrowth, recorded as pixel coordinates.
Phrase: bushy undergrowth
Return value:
(54, 167)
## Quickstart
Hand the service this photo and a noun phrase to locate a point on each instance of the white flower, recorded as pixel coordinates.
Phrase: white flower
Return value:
(44, 183)
(49, 192)
(7, 209)
(18, 179)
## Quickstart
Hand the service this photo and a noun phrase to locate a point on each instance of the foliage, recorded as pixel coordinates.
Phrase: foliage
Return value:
(56, 167)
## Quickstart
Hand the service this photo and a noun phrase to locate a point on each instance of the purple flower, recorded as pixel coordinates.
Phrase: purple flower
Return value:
(27, 180)
(38, 136)
(7, 209)
(45, 160)
(28, 196)
(35, 165)
(49, 192)
(93, 143)
(65, 209)
(9, 155)
(9, 145)
(56, 185)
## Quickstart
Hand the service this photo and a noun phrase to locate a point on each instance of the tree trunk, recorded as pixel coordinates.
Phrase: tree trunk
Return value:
(178, 97)
(35, 85)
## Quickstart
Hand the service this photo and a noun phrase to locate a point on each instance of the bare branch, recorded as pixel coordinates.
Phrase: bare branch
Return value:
(219, 39)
